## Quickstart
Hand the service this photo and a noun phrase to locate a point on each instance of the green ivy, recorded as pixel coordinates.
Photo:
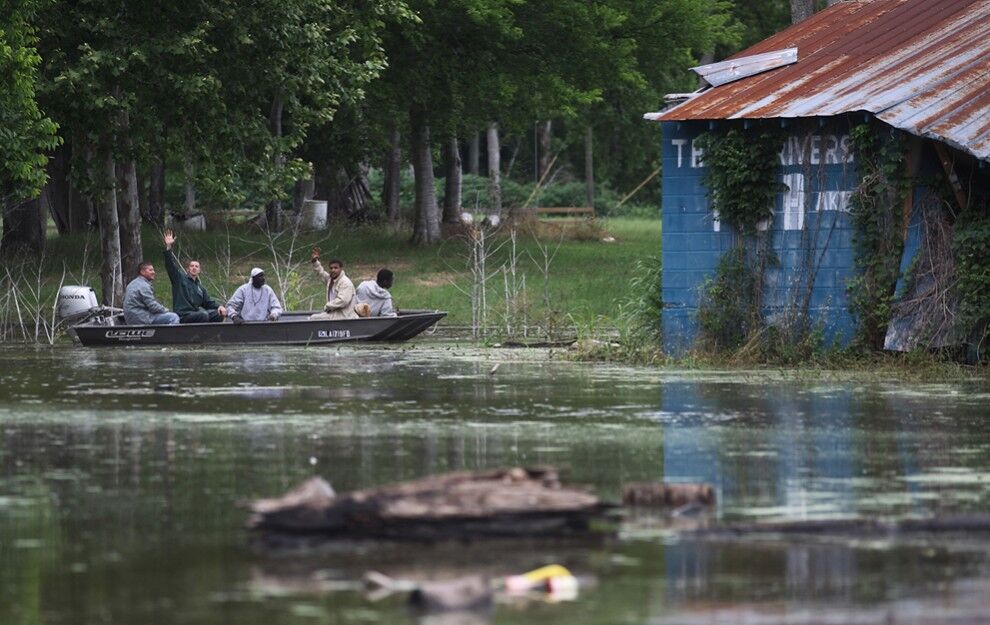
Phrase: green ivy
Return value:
(971, 243)
(726, 314)
(877, 216)
(741, 175)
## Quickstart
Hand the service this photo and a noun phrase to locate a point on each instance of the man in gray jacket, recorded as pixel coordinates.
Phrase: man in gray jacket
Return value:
(375, 294)
(140, 306)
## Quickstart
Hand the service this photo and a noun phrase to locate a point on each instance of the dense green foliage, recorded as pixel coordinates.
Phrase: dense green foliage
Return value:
(741, 175)
(726, 312)
(25, 131)
(972, 254)
(877, 216)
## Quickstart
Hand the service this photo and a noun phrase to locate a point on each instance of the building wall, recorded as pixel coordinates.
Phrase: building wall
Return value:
(811, 230)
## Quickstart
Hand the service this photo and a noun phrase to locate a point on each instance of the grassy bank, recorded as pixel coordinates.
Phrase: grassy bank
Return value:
(587, 276)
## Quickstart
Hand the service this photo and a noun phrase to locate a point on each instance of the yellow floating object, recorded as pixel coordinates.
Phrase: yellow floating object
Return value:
(546, 572)
(543, 577)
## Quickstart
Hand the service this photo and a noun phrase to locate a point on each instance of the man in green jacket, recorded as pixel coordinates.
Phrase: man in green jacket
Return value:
(189, 297)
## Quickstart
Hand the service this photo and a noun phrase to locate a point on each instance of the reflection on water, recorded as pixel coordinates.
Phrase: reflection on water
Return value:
(121, 473)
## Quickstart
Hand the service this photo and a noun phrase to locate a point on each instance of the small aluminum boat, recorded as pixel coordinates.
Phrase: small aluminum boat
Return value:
(294, 328)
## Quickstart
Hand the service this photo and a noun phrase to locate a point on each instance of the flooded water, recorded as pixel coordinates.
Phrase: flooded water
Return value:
(121, 474)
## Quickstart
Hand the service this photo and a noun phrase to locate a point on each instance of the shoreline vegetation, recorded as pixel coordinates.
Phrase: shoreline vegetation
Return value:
(585, 282)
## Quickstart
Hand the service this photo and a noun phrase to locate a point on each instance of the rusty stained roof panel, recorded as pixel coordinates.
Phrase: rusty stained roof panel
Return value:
(920, 65)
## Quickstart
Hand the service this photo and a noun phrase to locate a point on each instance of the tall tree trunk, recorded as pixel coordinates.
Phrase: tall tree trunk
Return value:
(474, 154)
(128, 204)
(426, 226)
(156, 191)
(452, 182)
(189, 205)
(393, 176)
(494, 169)
(144, 199)
(801, 10)
(302, 191)
(589, 167)
(110, 271)
(23, 227)
(128, 218)
(60, 198)
(546, 133)
(273, 211)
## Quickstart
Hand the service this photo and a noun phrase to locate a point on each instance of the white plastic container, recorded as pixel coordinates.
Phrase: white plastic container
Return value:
(314, 215)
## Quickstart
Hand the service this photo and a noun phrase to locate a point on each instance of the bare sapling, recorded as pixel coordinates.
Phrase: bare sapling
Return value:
(290, 262)
(481, 248)
(546, 251)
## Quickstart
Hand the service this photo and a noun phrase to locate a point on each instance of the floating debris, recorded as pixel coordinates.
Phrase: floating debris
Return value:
(668, 495)
(498, 503)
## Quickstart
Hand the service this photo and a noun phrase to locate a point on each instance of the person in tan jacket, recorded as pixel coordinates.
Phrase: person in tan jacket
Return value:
(340, 289)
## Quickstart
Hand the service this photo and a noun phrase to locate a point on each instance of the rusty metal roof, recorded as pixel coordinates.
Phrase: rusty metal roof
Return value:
(920, 65)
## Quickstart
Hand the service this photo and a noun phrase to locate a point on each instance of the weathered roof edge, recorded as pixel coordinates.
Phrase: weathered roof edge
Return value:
(921, 67)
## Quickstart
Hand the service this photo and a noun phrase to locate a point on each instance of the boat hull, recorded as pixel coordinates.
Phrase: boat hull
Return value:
(291, 329)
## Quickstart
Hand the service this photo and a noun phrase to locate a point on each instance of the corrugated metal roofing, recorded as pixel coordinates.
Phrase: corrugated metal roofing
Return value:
(920, 65)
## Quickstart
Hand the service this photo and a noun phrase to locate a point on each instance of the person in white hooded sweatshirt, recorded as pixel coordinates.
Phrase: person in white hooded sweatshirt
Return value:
(375, 294)
(254, 301)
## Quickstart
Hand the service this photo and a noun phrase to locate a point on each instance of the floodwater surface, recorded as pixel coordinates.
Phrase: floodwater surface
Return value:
(122, 473)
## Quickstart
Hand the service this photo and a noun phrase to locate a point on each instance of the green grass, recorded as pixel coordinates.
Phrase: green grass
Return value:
(587, 279)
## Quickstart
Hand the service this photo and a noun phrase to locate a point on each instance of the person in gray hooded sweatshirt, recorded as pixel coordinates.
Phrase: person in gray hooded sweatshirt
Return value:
(375, 294)
(254, 301)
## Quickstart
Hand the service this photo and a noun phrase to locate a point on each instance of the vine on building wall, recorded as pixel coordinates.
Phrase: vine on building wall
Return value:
(971, 244)
(876, 209)
(741, 176)
(742, 180)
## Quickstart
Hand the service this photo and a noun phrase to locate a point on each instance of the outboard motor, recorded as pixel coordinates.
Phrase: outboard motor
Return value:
(78, 304)
(75, 304)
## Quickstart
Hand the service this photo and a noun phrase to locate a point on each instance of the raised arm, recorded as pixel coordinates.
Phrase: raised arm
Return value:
(314, 259)
(171, 262)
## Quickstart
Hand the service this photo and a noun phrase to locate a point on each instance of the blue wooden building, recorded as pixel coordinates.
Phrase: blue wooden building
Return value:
(921, 67)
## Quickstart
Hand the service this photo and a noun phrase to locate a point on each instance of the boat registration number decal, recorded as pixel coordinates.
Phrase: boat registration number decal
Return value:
(333, 334)
(130, 335)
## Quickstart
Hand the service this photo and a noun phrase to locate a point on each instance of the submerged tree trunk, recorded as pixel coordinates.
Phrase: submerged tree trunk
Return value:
(129, 218)
(546, 133)
(801, 10)
(452, 182)
(156, 192)
(23, 227)
(393, 173)
(474, 154)
(426, 225)
(589, 167)
(110, 271)
(273, 210)
(494, 170)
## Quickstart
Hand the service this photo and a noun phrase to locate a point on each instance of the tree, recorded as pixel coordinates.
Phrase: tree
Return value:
(26, 134)
(801, 10)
